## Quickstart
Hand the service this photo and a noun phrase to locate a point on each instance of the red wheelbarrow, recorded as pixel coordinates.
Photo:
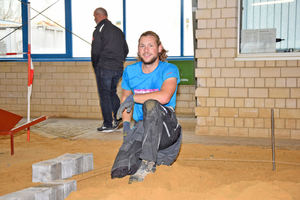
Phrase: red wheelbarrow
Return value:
(8, 121)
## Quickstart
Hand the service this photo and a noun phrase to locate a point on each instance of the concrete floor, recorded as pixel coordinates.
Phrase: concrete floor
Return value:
(86, 129)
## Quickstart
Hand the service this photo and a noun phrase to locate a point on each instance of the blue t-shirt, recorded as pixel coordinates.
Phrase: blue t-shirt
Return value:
(138, 82)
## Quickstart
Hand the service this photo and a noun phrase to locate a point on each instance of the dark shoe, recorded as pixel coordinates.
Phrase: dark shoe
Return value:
(145, 168)
(117, 123)
(105, 129)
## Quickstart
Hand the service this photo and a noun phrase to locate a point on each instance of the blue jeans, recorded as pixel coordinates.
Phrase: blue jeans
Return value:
(107, 81)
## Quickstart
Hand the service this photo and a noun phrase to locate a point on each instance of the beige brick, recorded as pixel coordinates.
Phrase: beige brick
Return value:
(212, 4)
(203, 53)
(238, 132)
(216, 33)
(270, 82)
(229, 12)
(229, 33)
(201, 112)
(290, 113)
(230, 72)
(239, 122)
(249, 103)
(220, 121)
(221, 3)
(280, 63)
(280, 82)
(229, 82)
(249, 72)
(295, 93)
(182, 104)
(216, 73)
(264, 113)
(203, 14)
(201, 43)
(282, 133)
(291, 103)
(258, 123)
(201, 62)
(220, 44)
(229, 122)
(240, 63)
(81, 102)
(211, 43)
(229, 102)
(237, 92)
(218, 92)
(210, 121)
(201, 23)
(295, 134)
(279, 93)
(220, 62)
(280, 103)
(201, 4)
(231, 43)
(200, 72)
(221, 23)
(211, 102)
(258, 132)
(290, 72)
(211, 23)
(250, 64)
(290, 123)
(270, 63)
(258, 92)
(249, 82)
(215, 13)
(220, 82)
(291, 82)
(201, 82)
(259, 63)
(231, 23)
(215, 53)
(291, 63)
(228, 112)
(270, 72)
(249, 122)
(203, 33)
(230, 62)
(259, 103)
(202, 92)
(259, 82)
(239, 82)
(220, 131)
(220, 102)
(248, 112)
(214, 112)
(202, 130)
(228, 53)
(201, 121)
(239, 103)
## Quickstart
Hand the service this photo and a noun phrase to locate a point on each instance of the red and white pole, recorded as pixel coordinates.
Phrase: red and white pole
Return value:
(29, 70)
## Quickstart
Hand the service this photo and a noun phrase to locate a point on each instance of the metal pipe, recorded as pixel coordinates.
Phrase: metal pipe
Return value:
(273, 139)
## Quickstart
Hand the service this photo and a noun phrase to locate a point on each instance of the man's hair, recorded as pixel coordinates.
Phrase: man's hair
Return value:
(101, 11)
(163, 54)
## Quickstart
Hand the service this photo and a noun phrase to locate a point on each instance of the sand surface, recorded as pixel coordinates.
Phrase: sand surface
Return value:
(200, 172)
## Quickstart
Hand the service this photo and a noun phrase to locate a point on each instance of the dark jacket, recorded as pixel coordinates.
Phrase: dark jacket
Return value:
(109, 47)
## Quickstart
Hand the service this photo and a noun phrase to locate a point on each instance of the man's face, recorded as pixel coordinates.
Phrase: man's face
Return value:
(148, 49)
(96, 18)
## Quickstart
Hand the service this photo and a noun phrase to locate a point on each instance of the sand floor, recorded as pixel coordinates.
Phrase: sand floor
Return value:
(200, 172)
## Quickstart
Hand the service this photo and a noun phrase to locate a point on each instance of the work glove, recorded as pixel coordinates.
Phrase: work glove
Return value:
(126, 131)
(128, 103)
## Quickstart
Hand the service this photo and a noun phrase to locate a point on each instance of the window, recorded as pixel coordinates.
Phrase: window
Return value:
(10, 32)
(62, 29)
(269, 28)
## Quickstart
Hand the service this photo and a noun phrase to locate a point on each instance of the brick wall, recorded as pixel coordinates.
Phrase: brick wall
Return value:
(67, 89)
(235, 98)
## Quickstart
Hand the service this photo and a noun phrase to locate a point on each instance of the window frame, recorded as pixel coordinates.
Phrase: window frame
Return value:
(68, 56)
(259, 56)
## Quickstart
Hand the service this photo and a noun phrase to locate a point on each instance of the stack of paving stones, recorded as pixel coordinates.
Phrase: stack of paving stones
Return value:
(52, 173)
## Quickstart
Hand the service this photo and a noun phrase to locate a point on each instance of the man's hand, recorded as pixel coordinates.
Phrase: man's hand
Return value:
(128, 103)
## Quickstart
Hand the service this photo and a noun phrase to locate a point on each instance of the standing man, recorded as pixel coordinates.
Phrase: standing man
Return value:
(151, 86)
(109, 50)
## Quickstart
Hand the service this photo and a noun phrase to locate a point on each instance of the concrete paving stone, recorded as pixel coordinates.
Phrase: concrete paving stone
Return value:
(78, 167)
(88, 161)
(55, 191)
(27, 194)
(67, 167)
(46, 171)
(69, 186)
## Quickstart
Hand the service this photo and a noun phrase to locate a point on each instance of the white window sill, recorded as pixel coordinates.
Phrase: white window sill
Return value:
(268, 56)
